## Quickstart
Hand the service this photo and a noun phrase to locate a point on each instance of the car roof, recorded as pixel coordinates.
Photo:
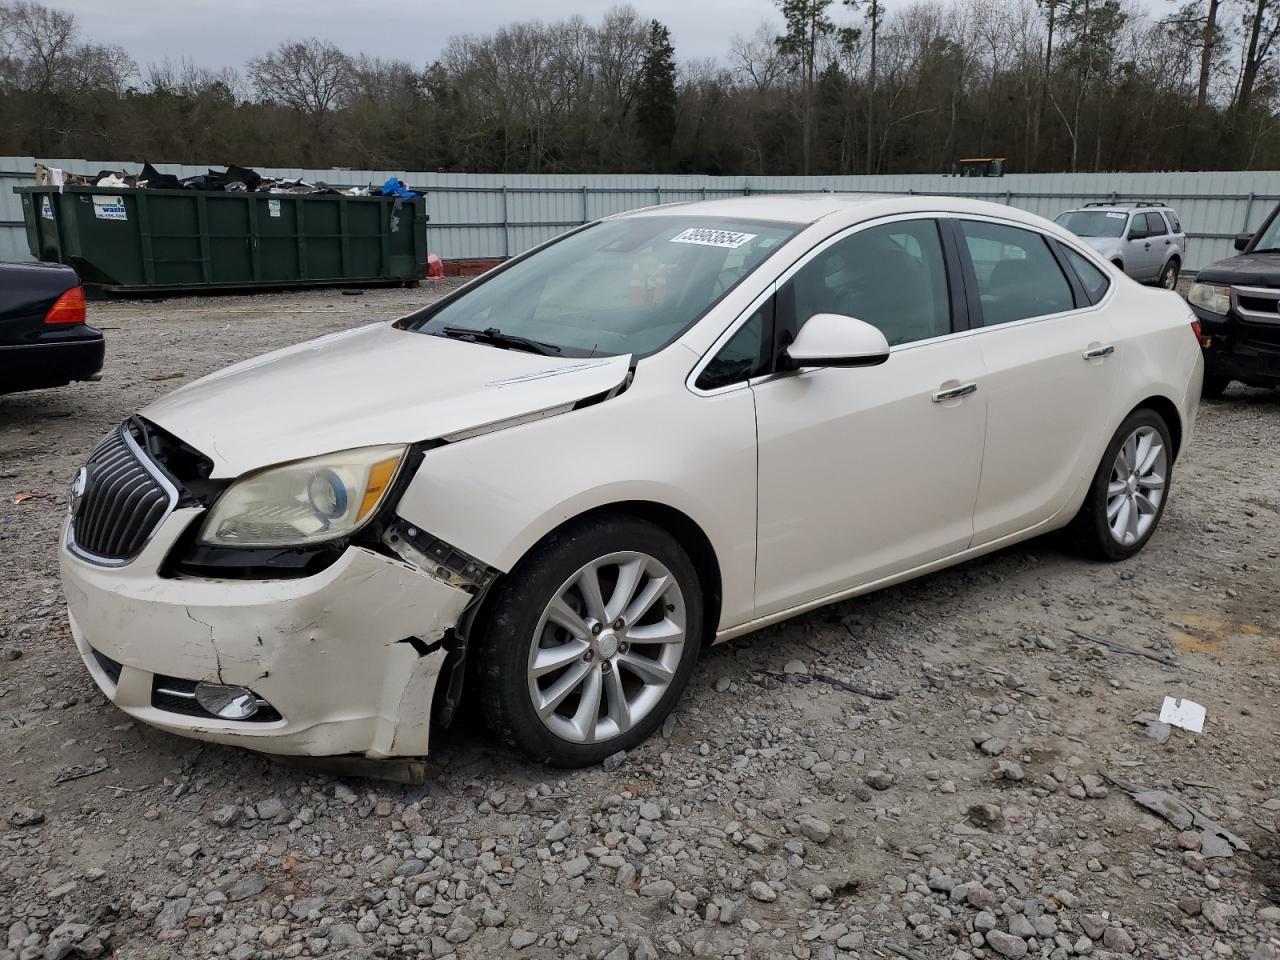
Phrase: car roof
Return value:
(809, 208)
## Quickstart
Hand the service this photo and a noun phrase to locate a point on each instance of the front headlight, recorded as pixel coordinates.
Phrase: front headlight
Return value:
(304, 502)
(1213, 299)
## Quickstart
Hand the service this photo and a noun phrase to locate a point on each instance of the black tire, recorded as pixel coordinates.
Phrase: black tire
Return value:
(1089, 530)
(1214, 386)
(512, 617)
(1169, 275)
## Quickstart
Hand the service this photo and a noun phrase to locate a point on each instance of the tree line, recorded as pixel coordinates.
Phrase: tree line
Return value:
(826, 87)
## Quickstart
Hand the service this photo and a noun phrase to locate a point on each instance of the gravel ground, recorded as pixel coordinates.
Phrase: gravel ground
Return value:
(947, 801)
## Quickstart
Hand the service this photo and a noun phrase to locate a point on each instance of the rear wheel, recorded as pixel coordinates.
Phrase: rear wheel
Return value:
(1130, 488)
(1214, 386)
(590, 641)
(1169, 275)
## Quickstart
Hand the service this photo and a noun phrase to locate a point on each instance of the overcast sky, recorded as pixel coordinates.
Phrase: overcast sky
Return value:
(219, 33)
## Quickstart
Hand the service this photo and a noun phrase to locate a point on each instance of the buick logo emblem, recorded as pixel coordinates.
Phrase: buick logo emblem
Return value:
(77, 490)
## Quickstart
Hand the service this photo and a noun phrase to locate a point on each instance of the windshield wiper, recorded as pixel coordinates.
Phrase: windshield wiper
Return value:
(494, 336)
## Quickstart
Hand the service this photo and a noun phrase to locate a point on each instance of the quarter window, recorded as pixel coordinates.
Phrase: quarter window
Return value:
(893, 277)
(1174, 224)
(746, 355)
(1017, 274)
(1093, 280)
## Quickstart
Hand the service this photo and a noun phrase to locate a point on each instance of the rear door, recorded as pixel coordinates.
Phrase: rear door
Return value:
(1051, 373)
(1142, 259)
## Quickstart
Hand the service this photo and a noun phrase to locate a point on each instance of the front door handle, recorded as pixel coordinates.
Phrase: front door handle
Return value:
(955, 393)
(1098, 352)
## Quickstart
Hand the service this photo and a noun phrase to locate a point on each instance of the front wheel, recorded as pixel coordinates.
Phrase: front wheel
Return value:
(1169, 275)
(588, 644)
(1130, 488)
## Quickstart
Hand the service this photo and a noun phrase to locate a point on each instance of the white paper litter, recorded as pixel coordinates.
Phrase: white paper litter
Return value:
(1186, 714)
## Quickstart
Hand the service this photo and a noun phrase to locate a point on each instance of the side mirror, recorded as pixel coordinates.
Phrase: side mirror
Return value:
(831, 340)
(1243, 240)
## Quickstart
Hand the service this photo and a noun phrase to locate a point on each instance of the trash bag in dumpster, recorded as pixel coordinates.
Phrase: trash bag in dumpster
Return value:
(394, 187)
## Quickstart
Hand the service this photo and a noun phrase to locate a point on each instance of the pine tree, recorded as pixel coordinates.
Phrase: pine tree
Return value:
(656, 99)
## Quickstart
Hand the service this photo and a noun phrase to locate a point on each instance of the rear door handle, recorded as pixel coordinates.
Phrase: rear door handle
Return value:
(955, 393)
(1098, 352)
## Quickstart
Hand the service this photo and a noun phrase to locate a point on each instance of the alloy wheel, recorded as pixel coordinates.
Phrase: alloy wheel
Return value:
(607, 647)
(1137, 485)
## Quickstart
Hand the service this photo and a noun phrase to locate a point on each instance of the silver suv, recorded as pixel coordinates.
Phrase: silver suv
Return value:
(1142, 238)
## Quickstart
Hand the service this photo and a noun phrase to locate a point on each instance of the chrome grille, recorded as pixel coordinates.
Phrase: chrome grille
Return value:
(118, 500)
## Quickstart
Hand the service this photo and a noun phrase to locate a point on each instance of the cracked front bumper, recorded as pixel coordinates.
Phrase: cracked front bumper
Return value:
(326, 651)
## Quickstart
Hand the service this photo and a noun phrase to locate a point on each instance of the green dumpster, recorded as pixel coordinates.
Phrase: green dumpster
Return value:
(129, 240)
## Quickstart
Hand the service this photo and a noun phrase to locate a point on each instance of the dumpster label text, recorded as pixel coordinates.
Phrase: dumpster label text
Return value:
(273, 207)
(46, 210)
(109, 208)
(706, 237)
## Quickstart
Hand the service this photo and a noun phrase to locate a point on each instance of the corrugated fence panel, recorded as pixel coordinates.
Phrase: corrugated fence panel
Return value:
(500, 215)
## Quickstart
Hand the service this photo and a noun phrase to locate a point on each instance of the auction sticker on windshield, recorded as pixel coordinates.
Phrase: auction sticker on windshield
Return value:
(706, 237)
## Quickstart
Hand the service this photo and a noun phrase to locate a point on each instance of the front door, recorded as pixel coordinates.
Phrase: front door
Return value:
(869, 472)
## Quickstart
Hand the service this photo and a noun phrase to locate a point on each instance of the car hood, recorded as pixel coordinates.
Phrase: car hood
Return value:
(1249, 269)
(371, 385)
(1107, 246)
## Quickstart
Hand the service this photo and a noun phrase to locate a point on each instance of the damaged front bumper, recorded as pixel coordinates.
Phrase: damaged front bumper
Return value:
(348, 658)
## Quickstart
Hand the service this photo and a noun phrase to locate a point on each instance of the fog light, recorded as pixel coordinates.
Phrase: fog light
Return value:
(228, 701)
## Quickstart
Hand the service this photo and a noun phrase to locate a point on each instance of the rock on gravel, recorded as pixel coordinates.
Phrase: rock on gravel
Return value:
(1006, 944)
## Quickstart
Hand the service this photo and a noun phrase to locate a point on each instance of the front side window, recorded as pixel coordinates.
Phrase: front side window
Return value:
(893, 277)
(623, 286)
(1017, 274)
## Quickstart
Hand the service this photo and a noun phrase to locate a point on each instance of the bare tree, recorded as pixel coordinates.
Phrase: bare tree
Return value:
(311, 77)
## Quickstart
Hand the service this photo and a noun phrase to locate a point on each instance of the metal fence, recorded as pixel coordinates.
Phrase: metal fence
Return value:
(500, 215)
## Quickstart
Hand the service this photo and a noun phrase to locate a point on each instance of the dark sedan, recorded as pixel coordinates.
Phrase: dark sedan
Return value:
(44, 339)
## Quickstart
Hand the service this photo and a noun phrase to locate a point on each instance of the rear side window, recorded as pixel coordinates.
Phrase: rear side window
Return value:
(1093, 280)
(1156, 225)
(1018, 276)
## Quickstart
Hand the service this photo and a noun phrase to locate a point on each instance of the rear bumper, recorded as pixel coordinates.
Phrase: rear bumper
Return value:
(329, 653)
(34, 366)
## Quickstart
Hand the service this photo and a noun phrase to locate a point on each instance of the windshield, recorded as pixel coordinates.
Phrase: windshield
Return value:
(1269, 242)
(1093, 223)
(616, 287)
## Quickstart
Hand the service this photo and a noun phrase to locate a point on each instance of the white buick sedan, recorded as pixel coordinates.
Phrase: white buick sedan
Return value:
(551, 489)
